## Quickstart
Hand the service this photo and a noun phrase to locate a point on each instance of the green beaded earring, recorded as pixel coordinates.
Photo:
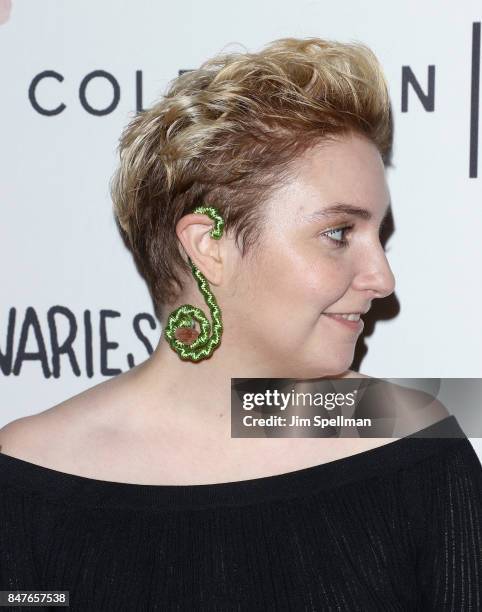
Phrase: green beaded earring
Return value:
(180, 330)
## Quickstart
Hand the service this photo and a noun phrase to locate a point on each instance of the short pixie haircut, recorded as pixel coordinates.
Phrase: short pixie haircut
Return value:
(226, 135)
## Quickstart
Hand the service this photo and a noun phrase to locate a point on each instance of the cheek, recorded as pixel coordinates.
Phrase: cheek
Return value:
(305, 278)
(293, 279)
(324, 284)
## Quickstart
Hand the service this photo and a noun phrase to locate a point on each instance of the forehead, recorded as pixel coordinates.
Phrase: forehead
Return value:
(338, 175)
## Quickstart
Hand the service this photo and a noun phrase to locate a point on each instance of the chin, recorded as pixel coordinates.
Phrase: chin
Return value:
(337, 367)
(316, 370)
(318, 365)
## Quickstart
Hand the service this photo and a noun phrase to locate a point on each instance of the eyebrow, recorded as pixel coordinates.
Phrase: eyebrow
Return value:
(341, 207)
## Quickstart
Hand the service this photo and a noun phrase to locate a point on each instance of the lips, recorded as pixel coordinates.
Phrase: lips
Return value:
(347, 317)
(360, 311)
(352, 325)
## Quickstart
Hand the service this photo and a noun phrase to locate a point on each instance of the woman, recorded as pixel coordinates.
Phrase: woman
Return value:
(256, 187)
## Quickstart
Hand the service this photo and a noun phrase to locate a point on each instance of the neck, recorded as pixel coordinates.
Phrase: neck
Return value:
(202, 387)
(196, 395)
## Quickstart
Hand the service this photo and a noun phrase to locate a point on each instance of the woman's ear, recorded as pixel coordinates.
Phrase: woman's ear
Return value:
(194, 233)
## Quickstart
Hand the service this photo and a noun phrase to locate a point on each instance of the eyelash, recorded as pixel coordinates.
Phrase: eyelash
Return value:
(340, 244)
(343, 243)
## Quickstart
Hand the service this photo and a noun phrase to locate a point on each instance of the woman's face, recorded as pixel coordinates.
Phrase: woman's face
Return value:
(313, 263)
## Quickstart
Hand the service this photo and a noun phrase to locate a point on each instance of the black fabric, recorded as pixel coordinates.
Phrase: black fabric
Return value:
(397, 527)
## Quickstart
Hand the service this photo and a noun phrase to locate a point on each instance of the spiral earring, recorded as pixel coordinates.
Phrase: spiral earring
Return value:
(180, 330)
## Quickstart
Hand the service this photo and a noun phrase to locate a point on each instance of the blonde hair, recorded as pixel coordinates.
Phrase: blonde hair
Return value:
(226, 134)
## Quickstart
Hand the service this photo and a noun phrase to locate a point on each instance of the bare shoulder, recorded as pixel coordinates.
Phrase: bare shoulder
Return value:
(19, 434)
(63, 436)
(415, 408)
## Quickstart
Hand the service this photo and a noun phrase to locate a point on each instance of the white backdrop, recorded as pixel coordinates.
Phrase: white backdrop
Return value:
(64, 268)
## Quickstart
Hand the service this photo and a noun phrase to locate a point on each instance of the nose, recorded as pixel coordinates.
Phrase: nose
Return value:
(374, 273)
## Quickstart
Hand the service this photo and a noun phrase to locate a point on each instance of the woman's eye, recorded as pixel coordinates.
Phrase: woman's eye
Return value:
(337, 236)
